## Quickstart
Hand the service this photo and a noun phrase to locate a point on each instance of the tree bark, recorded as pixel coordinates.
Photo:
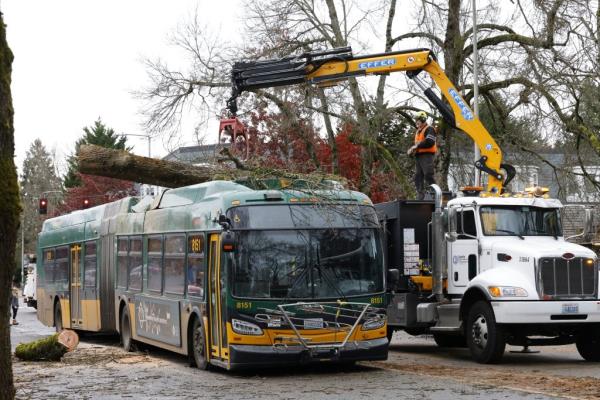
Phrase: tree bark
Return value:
(111, 163)
(10, 211)
(119, 164)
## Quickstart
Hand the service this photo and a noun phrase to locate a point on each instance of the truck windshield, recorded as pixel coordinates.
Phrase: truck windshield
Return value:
(307, 264)
(520, 221)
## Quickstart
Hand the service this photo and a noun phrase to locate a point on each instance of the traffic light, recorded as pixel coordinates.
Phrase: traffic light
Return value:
(43, 206)
(85, 203)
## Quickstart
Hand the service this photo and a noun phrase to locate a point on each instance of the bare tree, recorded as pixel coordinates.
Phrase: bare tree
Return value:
(525, 49)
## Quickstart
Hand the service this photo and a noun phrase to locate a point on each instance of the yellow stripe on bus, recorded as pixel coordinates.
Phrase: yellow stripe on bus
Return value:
(315, 336)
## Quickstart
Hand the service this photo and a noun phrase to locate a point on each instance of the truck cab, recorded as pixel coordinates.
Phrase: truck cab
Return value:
(490, 271)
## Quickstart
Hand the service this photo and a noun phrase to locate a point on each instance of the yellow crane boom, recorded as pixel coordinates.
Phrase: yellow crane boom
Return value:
(331, 66)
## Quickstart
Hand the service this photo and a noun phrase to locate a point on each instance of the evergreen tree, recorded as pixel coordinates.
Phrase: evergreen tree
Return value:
(100, 135)
(38, 177)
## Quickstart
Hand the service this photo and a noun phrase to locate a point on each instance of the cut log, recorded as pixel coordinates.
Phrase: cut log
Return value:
(119, 164)
(51, 348)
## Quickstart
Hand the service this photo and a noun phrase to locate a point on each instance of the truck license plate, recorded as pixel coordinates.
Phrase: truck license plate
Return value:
(570, 308)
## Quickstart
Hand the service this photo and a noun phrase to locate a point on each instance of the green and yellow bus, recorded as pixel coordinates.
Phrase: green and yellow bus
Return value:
(228, 275)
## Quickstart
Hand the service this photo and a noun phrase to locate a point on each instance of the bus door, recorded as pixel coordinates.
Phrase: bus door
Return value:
(75, 296)
(216, 299)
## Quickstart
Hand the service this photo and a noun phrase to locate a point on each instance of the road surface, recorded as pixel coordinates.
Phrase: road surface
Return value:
(416, 369)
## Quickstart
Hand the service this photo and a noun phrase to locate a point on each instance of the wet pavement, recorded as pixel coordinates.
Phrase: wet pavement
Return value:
(417, 369)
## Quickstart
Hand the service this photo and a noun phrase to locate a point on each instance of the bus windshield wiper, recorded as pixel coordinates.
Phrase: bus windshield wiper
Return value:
(511, 232)
(325, 275)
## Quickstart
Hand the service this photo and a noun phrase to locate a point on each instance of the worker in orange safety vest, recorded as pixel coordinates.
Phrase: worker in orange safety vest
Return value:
(424, 151)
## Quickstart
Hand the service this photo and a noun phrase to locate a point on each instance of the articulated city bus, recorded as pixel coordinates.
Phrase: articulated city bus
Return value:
(225, 274)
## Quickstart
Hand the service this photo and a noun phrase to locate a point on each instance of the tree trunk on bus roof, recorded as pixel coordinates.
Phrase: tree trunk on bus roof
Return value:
(111, 163)
(10, 211)
(101, 161)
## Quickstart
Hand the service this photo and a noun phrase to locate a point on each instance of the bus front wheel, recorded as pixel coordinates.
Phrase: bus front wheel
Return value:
(58, 317)
(126, 340)
(198, 346)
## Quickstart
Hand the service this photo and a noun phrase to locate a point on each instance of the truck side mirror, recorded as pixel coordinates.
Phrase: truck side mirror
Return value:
(393, 277)
(451, 236)
(588, 225)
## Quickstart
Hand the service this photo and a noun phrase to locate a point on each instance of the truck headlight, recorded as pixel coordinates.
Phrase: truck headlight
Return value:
(245, 328)
(507, 291)
(373, 323)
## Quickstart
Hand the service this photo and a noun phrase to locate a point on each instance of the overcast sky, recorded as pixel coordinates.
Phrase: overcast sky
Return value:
(78, 60)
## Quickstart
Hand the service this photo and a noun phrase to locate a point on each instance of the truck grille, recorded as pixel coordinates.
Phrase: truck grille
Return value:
(560, 278)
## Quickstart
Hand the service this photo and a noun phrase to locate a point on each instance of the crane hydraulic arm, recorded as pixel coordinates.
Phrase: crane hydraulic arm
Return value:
(326, 68)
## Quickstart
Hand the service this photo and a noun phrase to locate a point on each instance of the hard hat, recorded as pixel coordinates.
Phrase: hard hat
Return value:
(422, 116)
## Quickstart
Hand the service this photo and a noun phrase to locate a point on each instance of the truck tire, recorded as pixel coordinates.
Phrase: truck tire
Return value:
(485, 338)
(446, 340)
(588, 344)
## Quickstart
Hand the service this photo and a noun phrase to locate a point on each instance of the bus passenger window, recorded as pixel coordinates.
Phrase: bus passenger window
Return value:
(123, 245)
(174, 261)
(89, 277)
(155, 263)
(135, 264)
(195, 266)
(61, 268)
(49, 265)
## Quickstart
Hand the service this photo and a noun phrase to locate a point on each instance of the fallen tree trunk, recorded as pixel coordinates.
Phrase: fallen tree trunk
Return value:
(119, 164)
(51, 348)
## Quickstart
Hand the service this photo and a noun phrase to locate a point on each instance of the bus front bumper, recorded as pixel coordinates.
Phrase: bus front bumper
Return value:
(251, 355)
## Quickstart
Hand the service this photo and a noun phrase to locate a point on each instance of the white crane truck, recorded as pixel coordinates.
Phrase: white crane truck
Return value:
(490, 271)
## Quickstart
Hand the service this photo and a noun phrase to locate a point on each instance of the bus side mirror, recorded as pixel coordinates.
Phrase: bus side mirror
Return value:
(588, 226)
(227, 242)
(451, 235)
(393, 277)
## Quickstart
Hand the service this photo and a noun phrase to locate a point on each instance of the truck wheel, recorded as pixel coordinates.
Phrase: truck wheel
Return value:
(485, 338)
(58, 317)
(588, 344)
(126, 340)
(445, 340)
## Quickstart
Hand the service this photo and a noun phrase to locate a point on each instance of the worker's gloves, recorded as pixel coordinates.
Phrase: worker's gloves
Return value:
(412, 150)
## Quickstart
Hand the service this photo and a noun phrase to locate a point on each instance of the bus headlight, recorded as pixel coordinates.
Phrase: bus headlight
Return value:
(245, 328)
(373, 323)
(507, 291)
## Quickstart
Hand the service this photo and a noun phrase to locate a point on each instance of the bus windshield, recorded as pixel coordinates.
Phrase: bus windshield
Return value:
(307, 264)
(520, 221)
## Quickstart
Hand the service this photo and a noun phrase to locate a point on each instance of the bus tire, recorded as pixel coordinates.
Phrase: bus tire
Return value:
(197, 346)
(486, 339)
(588, 344)
(126, 339)
(58, 317)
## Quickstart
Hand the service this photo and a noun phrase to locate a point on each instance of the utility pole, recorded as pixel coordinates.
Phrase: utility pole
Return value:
(475, 87)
